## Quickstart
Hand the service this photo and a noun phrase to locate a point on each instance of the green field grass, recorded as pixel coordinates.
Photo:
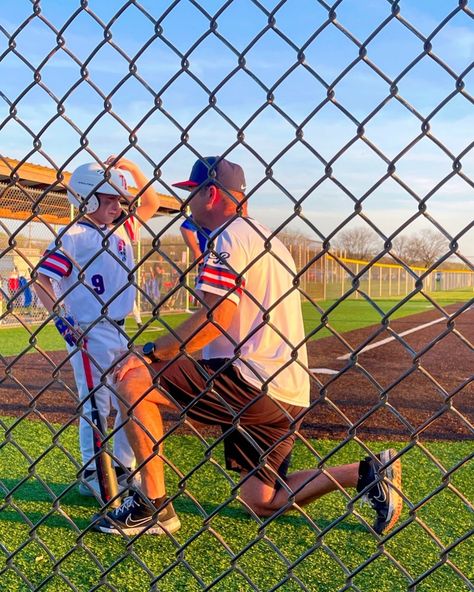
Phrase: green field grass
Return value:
(15, 340)
(43, 518)
(346, 316)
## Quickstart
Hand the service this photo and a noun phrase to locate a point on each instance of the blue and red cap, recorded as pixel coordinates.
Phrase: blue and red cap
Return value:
(216, 171)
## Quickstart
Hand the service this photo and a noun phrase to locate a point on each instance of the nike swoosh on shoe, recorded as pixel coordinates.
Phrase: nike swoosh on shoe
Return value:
(129, 521)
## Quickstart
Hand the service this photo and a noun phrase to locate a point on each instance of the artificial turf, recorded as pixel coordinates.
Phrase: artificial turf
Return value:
(45, 544)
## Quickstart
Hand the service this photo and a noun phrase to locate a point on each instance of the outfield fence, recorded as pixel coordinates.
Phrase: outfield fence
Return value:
(329, 276)
(323, 276)
(46, 544)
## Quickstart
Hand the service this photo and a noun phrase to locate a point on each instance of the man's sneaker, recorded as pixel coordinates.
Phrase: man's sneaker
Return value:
(381, 488)
(135, 515)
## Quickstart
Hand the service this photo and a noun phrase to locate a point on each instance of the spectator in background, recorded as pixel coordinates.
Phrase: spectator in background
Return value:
(157, 279)
(13, 283)
(148, 284)
(26, 291)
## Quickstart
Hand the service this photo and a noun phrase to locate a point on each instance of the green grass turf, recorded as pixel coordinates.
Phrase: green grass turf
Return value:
(356, 314)
(42, 521)
(346, 316)
(15, 340)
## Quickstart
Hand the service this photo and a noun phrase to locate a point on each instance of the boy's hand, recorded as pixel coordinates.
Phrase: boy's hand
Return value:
(68, 328)
(120, 163)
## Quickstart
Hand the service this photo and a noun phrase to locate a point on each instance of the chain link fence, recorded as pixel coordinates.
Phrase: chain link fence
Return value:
(259, 74)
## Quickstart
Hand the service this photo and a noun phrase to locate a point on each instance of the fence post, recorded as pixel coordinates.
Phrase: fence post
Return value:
(324, 274)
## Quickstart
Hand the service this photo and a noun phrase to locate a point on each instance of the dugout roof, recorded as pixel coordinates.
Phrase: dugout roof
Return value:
(23, 187)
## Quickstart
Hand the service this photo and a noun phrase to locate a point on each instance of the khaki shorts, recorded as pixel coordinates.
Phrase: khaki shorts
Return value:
(258, 431)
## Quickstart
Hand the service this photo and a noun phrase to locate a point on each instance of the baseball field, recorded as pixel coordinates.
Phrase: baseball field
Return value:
(409, 387)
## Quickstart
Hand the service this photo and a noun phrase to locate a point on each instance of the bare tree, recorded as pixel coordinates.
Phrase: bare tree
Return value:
(422, 248)
(401, 247)
(294, 237)
(358, 243)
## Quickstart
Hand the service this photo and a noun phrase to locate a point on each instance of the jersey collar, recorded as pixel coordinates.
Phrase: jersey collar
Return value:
(90, 224)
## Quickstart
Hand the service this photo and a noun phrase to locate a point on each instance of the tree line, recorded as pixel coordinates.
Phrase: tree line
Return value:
(421, 249)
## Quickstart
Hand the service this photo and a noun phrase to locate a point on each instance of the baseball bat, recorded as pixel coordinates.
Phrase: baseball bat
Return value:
(106, 476)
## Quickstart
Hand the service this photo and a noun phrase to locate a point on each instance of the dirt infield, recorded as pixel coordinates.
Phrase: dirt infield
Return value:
(421, 388)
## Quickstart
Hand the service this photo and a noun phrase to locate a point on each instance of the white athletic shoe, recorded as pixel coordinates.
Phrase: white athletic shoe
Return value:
(89, 487)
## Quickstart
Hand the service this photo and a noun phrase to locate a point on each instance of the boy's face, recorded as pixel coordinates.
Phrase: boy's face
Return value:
(109, 209)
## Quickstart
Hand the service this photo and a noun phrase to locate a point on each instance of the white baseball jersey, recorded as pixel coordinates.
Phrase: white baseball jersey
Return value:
(106, 270)
(82, 249)
(267, 328)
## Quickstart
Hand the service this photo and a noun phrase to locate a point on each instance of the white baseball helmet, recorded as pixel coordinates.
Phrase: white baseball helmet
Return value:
(89, 179)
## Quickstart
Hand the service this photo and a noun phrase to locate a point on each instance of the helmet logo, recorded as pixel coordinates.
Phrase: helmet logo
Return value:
(122, 249)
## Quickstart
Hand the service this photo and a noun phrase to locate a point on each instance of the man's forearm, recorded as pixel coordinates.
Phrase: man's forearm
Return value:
(192, 335)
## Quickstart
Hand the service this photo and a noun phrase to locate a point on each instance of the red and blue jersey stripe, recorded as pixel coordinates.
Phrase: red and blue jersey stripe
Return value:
(222, 278)
(56, 263)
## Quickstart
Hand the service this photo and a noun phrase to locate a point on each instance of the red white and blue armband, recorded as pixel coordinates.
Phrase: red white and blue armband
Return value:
(56, 265)
(220, 280)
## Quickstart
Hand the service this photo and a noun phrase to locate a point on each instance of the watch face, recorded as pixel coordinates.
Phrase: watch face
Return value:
(148, 348)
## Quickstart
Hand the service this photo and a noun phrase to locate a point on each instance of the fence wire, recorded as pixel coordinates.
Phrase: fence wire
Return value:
(276, 553)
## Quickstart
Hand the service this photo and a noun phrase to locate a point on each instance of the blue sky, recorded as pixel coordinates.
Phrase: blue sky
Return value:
(298, 89)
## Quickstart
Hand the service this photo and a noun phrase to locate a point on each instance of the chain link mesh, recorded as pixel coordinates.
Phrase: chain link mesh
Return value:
(50, 546)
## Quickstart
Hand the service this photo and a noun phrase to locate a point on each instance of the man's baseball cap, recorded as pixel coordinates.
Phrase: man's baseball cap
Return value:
(217, 171)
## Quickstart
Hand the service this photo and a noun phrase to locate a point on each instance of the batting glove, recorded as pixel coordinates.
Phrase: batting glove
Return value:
(68, 328)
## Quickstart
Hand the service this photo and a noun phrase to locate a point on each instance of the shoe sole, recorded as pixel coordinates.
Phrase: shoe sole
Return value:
(168, 527)
(393, 475)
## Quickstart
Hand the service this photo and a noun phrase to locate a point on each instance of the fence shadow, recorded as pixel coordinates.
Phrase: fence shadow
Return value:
(34, 492)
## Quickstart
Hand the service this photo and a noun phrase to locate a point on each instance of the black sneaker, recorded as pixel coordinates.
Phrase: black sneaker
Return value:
(381, 488)
(136, 515)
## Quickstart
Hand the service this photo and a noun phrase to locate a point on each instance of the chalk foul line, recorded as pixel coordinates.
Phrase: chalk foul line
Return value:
(388, 339)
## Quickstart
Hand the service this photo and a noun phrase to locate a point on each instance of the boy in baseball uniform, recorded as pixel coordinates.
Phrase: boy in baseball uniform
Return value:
(86, 283)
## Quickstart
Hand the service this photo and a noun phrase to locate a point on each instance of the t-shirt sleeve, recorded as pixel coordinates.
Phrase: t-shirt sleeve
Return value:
(221, 272)
(189, 225)
(56, 263)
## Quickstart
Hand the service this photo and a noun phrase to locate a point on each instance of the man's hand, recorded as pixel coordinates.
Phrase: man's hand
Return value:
(129, 363)
(68, 328)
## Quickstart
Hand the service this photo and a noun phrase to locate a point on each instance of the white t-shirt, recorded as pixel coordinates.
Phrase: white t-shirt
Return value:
(267, 326)
(106, 270)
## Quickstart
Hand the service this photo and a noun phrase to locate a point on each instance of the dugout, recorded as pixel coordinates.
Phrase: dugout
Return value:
(34, 193)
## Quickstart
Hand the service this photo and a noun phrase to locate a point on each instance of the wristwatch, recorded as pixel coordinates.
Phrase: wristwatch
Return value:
(149, 351)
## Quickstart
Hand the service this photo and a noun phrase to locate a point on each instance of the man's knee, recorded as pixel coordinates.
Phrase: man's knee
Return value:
(258, 497)
(257, 507)
(134, 386)
(137, 386)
